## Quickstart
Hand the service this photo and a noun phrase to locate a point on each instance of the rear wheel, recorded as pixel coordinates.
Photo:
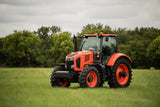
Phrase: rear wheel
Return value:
(89, 77)
(57, 81)
(121, 74)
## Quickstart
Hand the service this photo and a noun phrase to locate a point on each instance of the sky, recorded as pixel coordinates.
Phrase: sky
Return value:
(72, 15)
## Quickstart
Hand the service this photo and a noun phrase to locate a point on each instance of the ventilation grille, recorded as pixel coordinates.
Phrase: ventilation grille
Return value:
(86, 58)
(78, 63)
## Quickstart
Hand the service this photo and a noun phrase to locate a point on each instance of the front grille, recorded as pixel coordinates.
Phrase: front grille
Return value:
(78, 63)
(69, 63)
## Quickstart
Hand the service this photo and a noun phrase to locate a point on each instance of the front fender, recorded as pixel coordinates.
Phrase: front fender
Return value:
(116, 56)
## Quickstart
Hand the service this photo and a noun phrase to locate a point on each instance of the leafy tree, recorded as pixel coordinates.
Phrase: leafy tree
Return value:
(63, 45)
(122, 34)
(95, 28)
(43, 32)
(46, 32)
(21, 48)
(55, 29)
(2, 56)
(154, 52)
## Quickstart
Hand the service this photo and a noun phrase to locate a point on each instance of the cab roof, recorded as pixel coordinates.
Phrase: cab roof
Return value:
(92, 35)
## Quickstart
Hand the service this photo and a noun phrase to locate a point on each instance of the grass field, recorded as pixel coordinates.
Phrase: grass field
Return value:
(30, 87)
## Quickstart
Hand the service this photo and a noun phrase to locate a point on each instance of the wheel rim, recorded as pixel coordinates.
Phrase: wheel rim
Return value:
(122, 79)
(63, 83)
(92, 79)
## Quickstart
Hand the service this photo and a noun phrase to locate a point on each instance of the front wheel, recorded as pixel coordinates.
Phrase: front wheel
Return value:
(89, 77)
(57, 81)
(121, 74)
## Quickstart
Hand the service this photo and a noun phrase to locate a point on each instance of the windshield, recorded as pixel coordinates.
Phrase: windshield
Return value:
(91, 43)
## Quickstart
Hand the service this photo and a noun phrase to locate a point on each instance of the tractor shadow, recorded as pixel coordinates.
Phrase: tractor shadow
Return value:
(76, 86)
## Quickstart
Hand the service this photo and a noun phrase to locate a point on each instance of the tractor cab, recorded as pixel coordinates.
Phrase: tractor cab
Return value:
(103, 46)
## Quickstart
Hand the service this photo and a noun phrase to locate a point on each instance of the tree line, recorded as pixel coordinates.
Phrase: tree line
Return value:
(49, 45)
(42, 48)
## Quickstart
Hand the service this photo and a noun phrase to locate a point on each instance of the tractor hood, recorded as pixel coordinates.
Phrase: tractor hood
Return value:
(77, 60)
(75, 55)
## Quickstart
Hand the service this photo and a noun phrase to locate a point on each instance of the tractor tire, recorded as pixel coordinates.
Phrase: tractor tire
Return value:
(89, 77)
(121, 74)
(56, 81)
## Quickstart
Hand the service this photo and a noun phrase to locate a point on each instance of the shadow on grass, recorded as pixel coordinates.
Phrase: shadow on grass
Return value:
(78, 87)
(104, 87)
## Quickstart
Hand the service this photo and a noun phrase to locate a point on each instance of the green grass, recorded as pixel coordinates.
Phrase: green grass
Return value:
(30, 87)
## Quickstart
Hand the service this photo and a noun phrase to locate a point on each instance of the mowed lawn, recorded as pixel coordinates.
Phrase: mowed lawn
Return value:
(30, 87)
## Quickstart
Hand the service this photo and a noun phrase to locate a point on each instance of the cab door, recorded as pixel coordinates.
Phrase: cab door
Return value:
(109, 47)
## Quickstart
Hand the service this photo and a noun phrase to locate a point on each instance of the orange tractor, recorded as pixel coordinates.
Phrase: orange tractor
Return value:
(97, 61)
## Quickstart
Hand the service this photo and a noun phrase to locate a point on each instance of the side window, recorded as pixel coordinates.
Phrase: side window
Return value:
(113, 45)
(109, 47)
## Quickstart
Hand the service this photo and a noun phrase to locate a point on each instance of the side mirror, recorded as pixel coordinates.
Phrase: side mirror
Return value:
(106, 38)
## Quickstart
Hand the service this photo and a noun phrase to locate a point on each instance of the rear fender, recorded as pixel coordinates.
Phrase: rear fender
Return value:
(114, 58)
